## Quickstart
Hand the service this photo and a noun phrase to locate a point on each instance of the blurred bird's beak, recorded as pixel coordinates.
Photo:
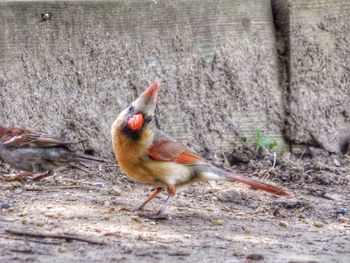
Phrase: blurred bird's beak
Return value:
(144, 107)
(147, 101)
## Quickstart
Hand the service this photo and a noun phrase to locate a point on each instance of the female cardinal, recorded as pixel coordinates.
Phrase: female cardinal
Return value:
(36, 152)
(150, 156)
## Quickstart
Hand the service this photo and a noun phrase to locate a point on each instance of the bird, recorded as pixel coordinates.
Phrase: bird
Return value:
(150, 156)
(36, 154)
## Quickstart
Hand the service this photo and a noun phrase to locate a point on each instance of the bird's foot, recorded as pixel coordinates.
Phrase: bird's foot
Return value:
(152, 215)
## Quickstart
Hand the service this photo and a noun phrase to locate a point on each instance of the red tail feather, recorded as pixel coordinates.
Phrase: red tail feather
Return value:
(257, 184)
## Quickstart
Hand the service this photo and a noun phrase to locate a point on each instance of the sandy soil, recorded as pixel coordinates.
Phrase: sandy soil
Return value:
(208, 222)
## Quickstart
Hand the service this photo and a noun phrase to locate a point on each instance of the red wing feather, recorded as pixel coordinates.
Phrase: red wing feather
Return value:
(17, 137)
(172, 151)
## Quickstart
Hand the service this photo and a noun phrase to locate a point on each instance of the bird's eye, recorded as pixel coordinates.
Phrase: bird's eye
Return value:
(131, 108)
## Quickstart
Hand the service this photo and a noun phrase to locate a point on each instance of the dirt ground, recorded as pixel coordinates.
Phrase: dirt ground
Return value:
(208, 222)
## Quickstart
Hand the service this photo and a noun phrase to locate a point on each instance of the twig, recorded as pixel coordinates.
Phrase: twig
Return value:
(37, 241)
(272, 167)
(24, 250)
(49, 235)
(83, 187)
(301, 156)
(81, 169)
(38, 189)
(75, 182)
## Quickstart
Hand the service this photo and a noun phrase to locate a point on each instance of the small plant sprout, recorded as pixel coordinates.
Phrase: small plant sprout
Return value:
(264, 142)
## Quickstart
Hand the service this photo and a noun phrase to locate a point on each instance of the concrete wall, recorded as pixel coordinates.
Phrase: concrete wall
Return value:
(222, 75)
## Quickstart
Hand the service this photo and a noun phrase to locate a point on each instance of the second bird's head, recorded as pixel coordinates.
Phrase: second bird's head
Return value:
(140, 113)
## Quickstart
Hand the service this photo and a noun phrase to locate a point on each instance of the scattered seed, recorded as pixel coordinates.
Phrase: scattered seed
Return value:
(114, 191)
(24, 213)
(219, 222)
(136, 218)
(247, 231)
(40, 223)
(51, 215)
(255, 257)
(343, 219)
(318, 224)
(283, 223)
(16, 184)
(107, 217)
(62, 249)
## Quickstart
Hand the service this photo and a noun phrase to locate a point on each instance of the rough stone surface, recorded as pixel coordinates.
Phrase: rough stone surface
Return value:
(72, 74)
(319, 73)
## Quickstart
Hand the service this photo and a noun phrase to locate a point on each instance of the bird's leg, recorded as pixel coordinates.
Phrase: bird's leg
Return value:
(147, 200)
(39, 176)
(150, 197)
(160, 214)
(19, 176)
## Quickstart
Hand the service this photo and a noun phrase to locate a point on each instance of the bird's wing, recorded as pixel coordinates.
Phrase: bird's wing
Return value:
(165, 148)
(17, 137)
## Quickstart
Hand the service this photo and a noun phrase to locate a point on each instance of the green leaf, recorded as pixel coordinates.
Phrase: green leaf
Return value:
(264, 141)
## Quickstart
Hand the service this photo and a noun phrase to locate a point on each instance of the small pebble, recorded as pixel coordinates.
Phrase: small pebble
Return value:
(219, 222)
(107, 217)
(98, 230)
(62, 249)
(16, 184)
(343, 219)
(114, 191)
(247, 231)
(40, 223)
(336, 162)
(283, 223)
(50, 215)
(197, 213)
(24, 213)
(99, 184)
(318, 224)
(5, 206)
(341, 210)
(136, 218)
(107, 203)
(255, 257)
(179, 253)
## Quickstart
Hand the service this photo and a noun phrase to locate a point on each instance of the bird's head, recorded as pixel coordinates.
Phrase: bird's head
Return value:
(140, 112)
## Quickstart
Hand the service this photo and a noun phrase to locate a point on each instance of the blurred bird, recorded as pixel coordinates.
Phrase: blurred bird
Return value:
(149, 156)
(36, 153)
